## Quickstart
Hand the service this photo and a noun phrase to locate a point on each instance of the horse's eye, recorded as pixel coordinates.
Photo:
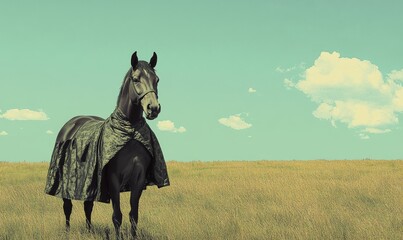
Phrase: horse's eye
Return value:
(136, 80)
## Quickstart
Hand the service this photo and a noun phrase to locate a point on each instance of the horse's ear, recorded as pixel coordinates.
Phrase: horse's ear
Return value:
(135, 60)
(153, 60)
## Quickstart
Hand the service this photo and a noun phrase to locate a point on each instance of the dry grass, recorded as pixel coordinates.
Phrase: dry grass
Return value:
(225, 200)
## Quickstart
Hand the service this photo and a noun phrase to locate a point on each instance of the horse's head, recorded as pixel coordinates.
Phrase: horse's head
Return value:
(143, 85)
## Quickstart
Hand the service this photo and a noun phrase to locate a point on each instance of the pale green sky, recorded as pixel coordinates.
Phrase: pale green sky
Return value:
(69, 58)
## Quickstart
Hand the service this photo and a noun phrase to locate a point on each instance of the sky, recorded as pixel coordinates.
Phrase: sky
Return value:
(239, 80)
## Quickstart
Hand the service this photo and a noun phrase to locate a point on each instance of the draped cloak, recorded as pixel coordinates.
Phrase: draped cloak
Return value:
(76, 169)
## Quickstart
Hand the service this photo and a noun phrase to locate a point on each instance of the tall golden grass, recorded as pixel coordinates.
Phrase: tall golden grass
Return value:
(224, 200)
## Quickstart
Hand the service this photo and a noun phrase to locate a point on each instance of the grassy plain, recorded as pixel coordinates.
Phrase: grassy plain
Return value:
(224, 200)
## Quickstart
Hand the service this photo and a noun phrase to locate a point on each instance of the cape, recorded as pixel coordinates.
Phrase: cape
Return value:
(77, 165)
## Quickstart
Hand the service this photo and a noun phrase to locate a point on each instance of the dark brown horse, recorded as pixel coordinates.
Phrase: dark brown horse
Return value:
(128, 169)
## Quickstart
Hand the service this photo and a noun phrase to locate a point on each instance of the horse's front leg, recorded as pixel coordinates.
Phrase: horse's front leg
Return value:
(134, 212)
(114, 191)
(137, 185)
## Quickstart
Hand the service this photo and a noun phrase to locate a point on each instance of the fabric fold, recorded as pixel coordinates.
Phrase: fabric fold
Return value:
(77, 165)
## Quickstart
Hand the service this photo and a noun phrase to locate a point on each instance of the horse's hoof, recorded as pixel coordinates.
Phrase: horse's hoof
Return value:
(107, 234)
(119, 236)
(134, 235)
(67, 226)
(90, 228)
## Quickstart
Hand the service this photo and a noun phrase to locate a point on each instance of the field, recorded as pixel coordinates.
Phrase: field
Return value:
(224, 200)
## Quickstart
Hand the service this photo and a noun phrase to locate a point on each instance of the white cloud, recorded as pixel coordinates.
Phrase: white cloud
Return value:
(398, 99)
(284, 70)
(24, 114)
(376, 130)
(251, 90)
(356, 114)
(396, 75)
(49, 132)
(288, 83)
(363, 136)
(290, 69)
(353, 92)
(235, 122)
(169, 126)
(3, 133)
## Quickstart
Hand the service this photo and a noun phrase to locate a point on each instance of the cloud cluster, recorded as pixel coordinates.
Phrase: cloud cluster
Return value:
(24, 114)
(288, 84)
(353, 92)
(290, 69)
(3, 133)
(169, 126)
(235, 122)
(284, 70)
(251, 90)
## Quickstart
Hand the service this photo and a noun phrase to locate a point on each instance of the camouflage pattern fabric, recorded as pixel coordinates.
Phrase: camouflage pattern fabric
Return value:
(76, 167)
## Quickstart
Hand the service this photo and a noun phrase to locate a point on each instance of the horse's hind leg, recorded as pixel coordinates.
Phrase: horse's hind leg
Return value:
(67, 207)
(88, 205)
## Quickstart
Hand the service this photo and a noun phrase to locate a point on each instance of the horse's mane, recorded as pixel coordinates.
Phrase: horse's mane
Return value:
(123, 83)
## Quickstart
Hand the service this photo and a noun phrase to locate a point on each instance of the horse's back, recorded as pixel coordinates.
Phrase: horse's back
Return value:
(71, 127)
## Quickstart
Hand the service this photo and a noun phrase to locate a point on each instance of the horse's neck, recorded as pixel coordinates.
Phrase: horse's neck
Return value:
(132, 111)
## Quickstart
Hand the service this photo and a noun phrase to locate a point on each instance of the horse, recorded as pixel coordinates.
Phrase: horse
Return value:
(128, 169)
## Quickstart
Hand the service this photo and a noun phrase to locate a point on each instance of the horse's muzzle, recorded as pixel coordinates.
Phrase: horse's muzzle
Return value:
(152, 111)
